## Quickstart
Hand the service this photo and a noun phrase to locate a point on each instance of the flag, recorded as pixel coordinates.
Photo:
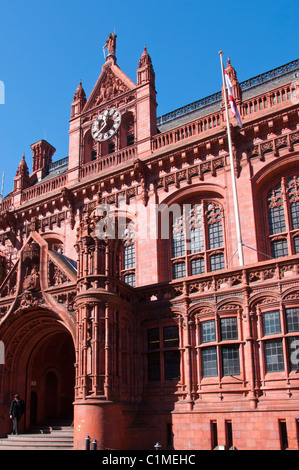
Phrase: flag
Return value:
(233, 105)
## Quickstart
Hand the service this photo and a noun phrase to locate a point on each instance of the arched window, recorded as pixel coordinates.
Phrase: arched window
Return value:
(283, 217)
(197, 239)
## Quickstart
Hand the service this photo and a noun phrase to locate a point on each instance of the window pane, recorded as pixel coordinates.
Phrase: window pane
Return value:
(208, 331)
(274, 356)
(179, 270)
(196, 240)
(296, 245)
(171, 336)
(178, 238)
(130, 279)
(197, 266)
(196, 229)
(153, 339)
(130, 139)
(279, 248)
(178, 245)
(129, 255)
(276, 220)
(154, 366)
(229, 328)
(271, 323)
(230, 360)
(171, 365)
(217, 262)
(209, 362)
(215, 235)
(292, 315)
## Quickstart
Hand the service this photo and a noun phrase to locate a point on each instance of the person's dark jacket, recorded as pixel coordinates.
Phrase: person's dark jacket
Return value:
(17, 408)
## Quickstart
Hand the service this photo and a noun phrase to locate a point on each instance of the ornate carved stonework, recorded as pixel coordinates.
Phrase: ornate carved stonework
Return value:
(31, 282)
(110, 87)
(56, 275)
(30, 299)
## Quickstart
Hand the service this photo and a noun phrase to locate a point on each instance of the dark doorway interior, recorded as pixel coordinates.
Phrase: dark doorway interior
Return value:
(51, 379)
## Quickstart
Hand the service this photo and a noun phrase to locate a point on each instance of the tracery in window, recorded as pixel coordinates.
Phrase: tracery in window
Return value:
(197, 240)
(283, 217)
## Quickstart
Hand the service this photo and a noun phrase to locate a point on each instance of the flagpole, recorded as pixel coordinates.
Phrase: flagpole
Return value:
(234, 185)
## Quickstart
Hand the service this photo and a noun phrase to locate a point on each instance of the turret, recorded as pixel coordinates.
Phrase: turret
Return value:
(145, 71)
(146, 99)
(21, 180)
(237, 91)
(78, 101)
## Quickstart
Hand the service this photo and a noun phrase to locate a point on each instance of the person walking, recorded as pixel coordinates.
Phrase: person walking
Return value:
(17, 408)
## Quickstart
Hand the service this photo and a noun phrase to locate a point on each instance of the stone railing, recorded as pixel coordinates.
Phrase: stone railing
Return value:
(254, 105)
(6, 204)
(44, 188)
(267, 100)
(108, 161)
(216, 283)
(185, 131)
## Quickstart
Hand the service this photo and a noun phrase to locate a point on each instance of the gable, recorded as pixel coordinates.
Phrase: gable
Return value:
(111, 83)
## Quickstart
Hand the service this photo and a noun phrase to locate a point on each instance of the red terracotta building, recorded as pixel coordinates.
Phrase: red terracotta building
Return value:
(123, 304)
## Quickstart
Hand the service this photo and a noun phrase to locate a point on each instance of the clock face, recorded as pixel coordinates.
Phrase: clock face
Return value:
(106, 124)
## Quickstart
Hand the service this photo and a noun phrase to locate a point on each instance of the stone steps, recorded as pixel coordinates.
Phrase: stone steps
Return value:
(43, 438)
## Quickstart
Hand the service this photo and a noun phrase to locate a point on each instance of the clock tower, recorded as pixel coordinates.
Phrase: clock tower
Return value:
(117, 120)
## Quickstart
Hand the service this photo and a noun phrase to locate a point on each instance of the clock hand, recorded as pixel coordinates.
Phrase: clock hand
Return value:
(105, 123)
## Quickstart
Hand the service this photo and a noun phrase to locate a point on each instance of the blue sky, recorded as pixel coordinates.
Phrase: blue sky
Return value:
(46, 47)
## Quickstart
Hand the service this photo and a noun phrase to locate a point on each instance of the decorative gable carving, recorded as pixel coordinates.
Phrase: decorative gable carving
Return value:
(111, 84)
(110, 87)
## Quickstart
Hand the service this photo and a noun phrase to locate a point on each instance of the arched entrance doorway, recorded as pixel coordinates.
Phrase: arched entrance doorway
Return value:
(40, 367)
(51, 377)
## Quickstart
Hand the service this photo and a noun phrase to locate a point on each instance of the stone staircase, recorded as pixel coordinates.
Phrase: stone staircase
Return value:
(41, 438)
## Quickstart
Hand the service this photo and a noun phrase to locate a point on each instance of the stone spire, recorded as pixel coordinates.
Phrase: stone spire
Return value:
(80, 93)
(21, 180)
(145, 71)
(23, 168)
(78, 101)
